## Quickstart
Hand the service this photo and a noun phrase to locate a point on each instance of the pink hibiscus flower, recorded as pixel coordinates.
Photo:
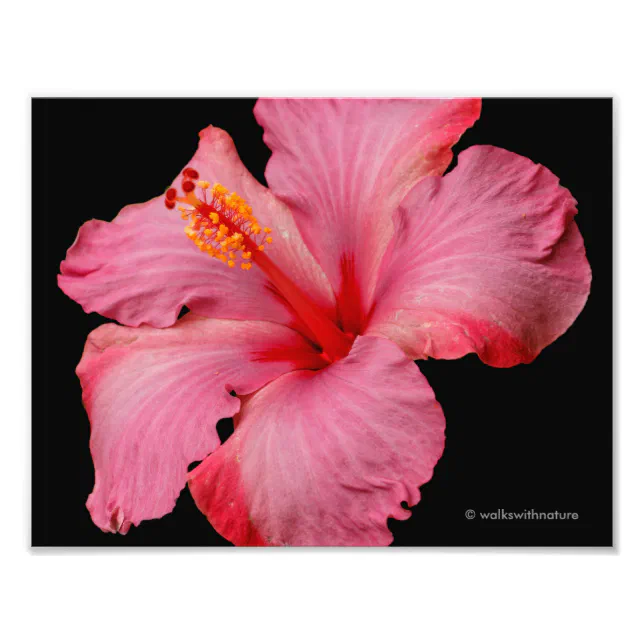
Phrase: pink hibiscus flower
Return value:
(311, 300)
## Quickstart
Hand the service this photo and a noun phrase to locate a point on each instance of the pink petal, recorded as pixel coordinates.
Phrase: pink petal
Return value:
(141, 268)
(344, 166)
(154, 397)
(324, 458)
(486, 259)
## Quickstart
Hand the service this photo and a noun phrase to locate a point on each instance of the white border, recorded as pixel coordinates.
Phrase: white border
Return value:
(552, 48)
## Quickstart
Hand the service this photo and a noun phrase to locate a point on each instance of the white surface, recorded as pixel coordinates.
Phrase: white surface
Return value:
(344, 48)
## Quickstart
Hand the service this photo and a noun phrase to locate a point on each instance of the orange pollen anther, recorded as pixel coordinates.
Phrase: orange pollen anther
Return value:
(221, 221)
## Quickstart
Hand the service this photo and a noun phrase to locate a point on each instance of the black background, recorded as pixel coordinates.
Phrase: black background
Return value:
(534, 436)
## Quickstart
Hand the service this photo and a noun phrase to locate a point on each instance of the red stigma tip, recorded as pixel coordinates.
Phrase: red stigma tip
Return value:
(170, 204)
(191, 173)
(171, 194)
(187, 186)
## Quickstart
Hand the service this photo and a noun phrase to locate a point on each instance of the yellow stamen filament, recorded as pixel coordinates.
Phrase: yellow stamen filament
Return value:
(223, 225)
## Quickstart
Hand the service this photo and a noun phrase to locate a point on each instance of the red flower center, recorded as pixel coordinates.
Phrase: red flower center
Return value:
(222, 224)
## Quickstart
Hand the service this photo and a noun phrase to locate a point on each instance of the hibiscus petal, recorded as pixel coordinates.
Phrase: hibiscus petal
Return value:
(141, 267)
(154, 397)
(324, 458)
(487, 259)
(344, 166)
